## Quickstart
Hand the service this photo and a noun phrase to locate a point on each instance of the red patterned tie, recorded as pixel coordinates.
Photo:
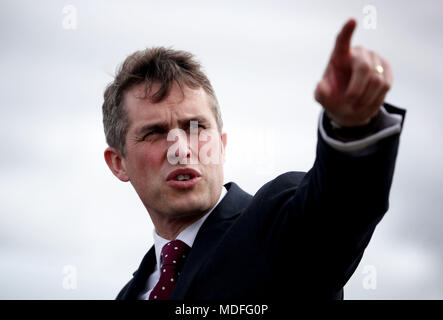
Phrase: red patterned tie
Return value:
(173, 256)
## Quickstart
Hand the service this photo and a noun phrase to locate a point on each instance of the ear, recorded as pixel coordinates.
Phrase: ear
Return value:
(116, 163)
(224, 139)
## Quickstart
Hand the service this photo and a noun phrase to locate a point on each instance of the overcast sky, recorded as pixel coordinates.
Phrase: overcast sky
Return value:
(70, 230)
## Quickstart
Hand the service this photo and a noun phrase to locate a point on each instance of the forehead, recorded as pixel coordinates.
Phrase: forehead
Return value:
(178, 103)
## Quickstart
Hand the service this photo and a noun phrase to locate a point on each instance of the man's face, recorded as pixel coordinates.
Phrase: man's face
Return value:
(146, 161)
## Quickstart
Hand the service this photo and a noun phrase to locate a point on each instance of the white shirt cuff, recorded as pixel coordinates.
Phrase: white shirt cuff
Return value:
(391, 124)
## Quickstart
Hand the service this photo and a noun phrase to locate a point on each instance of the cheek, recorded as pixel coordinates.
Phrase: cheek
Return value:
(210, 148)
(149, 159)
(210, 157)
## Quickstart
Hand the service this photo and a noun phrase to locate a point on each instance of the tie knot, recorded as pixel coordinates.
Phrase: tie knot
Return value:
(174, 252)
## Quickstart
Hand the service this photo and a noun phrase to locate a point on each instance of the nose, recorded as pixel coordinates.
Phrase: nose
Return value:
(184, 149)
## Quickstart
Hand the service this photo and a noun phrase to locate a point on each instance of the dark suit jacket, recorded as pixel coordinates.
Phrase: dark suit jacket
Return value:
(301, 236)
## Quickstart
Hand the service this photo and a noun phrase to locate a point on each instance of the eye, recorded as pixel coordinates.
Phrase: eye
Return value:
(200, 126)
(150, 134)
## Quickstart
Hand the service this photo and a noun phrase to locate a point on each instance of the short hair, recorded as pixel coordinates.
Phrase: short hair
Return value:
(152, 65)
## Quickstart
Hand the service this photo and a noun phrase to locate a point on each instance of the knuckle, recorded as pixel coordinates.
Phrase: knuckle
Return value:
(377, 81)
(356, 51)
(352, 95)
(386, 86)
(372, 54)
(363, 66)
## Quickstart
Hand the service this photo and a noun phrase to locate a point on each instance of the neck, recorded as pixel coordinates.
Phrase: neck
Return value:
(170, 228)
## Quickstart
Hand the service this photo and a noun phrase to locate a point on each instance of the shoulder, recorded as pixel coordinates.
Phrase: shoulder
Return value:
(272, 199)
(284, 183)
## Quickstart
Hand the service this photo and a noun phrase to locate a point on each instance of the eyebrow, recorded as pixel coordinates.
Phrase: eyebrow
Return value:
(163, 125)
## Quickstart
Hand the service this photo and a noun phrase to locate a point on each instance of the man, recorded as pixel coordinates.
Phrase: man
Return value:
(303, 234)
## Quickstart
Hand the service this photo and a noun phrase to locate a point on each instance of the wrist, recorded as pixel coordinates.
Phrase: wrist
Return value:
(345, 134)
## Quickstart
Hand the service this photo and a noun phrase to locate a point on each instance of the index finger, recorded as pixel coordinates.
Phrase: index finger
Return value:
(343, 43)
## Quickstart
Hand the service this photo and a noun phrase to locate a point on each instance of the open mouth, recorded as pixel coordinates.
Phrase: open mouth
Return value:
(183, 178)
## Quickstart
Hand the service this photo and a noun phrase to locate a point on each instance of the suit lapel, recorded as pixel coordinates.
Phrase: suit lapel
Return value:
(210, 235)
(138, 282)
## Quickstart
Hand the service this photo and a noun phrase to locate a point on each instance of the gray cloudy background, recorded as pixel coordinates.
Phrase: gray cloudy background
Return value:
(70, 230)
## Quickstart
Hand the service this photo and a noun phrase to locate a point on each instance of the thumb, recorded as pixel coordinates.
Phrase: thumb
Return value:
(322, 92)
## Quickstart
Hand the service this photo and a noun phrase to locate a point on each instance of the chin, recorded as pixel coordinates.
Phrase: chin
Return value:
(189, 207)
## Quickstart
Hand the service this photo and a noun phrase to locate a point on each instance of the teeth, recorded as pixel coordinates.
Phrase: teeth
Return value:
(183, 177)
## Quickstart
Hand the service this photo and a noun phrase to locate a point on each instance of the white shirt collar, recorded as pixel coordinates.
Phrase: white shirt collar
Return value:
(187, 235)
